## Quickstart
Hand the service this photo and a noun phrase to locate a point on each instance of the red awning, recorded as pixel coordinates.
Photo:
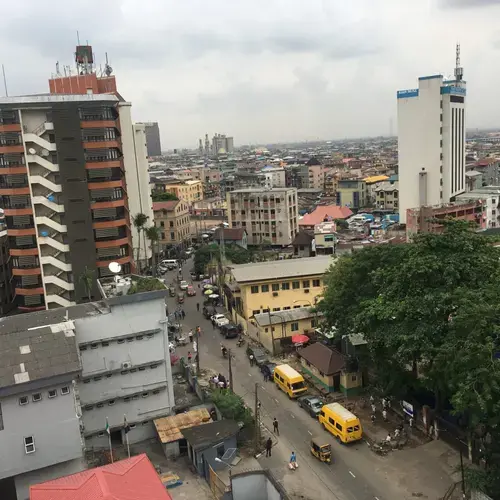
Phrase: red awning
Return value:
(300, 339)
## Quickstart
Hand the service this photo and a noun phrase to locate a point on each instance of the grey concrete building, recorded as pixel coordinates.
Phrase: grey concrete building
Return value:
(153, 142)
(40, 428)
(65, 372)
(267, 215)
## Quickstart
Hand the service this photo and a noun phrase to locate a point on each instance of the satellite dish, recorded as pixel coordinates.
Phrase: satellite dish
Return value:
(114, 267)
(32, 151)
(44, 152)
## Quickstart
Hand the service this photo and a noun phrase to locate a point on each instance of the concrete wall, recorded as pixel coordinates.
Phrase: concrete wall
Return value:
(136, 175)
(147, 366)
(209, 455)
(52, 422)
(255, 485)
(24, 481)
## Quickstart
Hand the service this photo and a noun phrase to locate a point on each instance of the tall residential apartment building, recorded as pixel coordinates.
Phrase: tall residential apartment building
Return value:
(431, 142)
(268, 215)
(222, 144)
(73, 170)
(153, 141)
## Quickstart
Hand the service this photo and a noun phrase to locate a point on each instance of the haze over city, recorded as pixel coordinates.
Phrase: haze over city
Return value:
(265, 71)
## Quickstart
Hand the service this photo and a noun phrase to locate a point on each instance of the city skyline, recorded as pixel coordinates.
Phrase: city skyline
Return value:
(263, 73)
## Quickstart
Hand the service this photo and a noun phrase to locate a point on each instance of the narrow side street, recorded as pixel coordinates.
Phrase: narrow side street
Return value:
(356, 472)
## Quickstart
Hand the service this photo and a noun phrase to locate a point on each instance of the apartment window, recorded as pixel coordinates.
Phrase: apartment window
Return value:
(295, 285)
(156, 391)
(255, 311)
(294, 327)
(96, 379)
(306, 284)
(83, 348)
(109, 375)
(23, 400)
(276, 309)
(111, 402)
(254, 289)
(36, 397)
(142, 368)
(105, 344)
(126, 399)
(153, 367)
(275, 287)
(120, 341)
(264, 288)
(86, 381)
(29, 444)
(285, 286)
(145, 394)
(93, 346)
(130, 339)
(286, 308)
(89, 407)
(316, 282)
(52, 393)
(65, 390)
(172, 236)
(99, 405)
(146, 422)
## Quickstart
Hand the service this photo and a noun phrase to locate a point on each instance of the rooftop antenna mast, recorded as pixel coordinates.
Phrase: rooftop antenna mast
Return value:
(459, 71)
(5, 81)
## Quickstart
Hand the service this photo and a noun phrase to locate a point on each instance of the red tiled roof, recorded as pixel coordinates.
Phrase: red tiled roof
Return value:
(134, 478)
(164, 205)
(333, 211)
(231, 234)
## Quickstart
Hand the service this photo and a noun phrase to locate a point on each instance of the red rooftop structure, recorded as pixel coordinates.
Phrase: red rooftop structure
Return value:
(324, 212)
(131, 479)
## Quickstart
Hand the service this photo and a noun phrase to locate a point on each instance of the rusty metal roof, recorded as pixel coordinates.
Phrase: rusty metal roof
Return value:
(169, 428)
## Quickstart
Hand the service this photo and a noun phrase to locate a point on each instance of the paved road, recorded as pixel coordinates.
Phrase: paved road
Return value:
(356, 474)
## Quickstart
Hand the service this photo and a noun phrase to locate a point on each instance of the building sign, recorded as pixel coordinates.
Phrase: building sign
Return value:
(402, 94)
(407, 408)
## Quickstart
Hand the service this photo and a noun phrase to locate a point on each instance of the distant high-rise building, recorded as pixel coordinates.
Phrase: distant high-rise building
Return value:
(222, 144)
(431, 141)
(153, 138)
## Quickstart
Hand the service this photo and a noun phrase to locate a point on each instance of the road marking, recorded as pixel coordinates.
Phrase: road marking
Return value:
(277, 402)
(352, 474)
(377, 498)
(310, 433)
(249, 374)
(293, 416)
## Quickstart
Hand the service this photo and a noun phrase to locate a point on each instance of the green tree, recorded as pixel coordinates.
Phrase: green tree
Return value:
(139, 221)
(163, 196)
(153, 234)
(146, 285)
(86, 279)
(232, 406)
(341, 224)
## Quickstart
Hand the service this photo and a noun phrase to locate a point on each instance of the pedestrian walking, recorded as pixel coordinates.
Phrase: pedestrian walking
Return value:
(384, 403)
(213, 322)
(269, 446)
(266, 378)
(190, 356)
(252, 359)
(198, 331)
(190, 334)
(183, 314)
(374, 409)
(198, 306)
(411, 422)
(276, 428)
(384, 415)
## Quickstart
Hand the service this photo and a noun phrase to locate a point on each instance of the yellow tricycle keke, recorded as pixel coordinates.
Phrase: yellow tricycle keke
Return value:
(321, 450)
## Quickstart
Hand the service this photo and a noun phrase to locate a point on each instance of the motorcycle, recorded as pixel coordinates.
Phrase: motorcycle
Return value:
(224, 352)
(240, 342)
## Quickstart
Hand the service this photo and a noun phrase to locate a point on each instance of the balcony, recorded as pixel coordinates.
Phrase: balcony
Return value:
(110, 223)
(102, 203)
(107, 243)
(14, 189)
(104, 261)
(98, 114)
(104, 179)
(120, 183)
(98, 123)
(26, 271)
(103, 163)
(102, 144)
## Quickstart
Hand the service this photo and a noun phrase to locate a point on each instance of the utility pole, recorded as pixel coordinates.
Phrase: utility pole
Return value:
(197, 336)
(257, 421)
(230, 372)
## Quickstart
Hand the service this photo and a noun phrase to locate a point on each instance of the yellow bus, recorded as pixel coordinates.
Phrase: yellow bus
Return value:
(340, 422)
(289, 380)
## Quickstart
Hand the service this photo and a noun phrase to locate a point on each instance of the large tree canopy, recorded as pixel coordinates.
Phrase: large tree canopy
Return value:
(430, 312)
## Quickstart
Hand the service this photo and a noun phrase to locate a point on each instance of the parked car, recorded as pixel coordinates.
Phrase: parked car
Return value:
(311, 404)
(189, 251)
(191, 291)
(162, 269)
(268, 369)
(180, 297)
(229, 331)
(171, 290)
(183, 285)
(259, 355)
(219, 319)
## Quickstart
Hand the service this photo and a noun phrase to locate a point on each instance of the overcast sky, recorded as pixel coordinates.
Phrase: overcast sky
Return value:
(262, 70)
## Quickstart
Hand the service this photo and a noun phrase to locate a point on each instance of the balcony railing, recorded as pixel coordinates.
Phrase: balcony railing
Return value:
(111, 257)
(99, 138)
(105, 179)
(8, 185)
(111, 238)
(19, 284)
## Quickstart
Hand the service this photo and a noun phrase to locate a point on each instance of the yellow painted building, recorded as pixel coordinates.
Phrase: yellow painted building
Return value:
(190, 191)
(279, 285)
(352, 193)
(173, 220)
(270, 327)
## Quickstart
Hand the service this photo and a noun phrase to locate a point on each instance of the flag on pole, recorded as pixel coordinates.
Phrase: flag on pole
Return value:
(107, 427)
(126, 427)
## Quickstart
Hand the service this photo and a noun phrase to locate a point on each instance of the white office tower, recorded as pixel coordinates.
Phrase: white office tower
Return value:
(431, 141)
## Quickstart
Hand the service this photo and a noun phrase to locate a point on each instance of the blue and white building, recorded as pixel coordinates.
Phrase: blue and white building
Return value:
(431, 141)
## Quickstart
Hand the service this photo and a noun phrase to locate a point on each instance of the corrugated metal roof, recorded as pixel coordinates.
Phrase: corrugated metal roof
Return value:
(284, 316)
(169, 428)
(280, 269)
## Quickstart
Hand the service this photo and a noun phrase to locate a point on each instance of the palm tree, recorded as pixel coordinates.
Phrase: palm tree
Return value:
(86, 279)
(153, 235)
(139, 221)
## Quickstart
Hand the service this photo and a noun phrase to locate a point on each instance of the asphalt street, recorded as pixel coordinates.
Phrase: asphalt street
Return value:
(356, 472)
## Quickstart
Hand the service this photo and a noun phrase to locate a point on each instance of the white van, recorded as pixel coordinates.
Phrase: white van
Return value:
(169, 263)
